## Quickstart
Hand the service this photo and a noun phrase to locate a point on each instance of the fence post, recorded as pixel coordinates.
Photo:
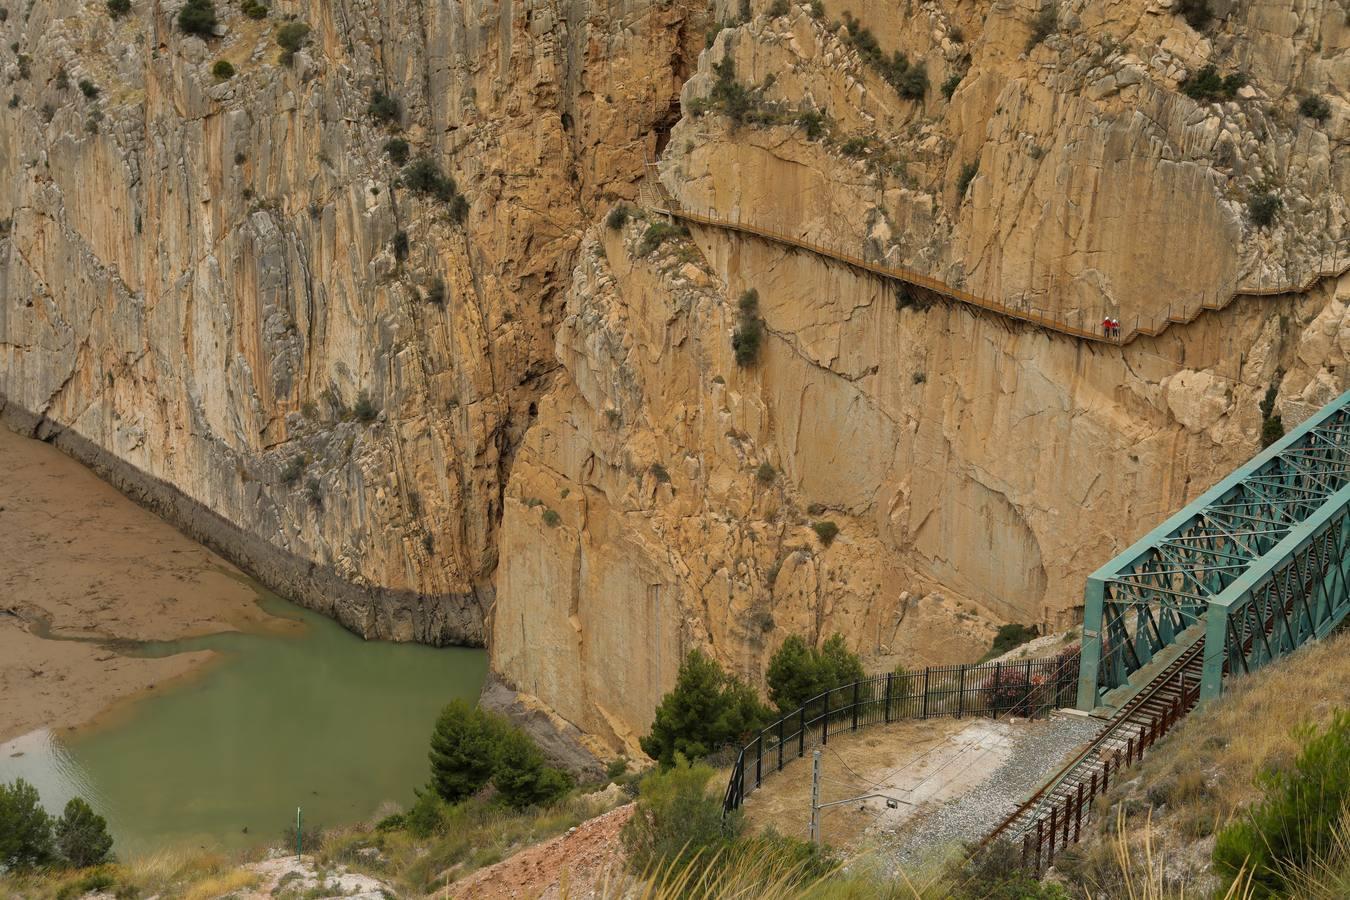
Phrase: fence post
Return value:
(890, 677)
(1026, 687)
(825, 722)
(780, 745)
(998, 670)
(801, 733)
(961, 693)
(1026, 847)
(1040, 826)
(925, 692)
(1078, 815)
(1129, 751)
(759, 759)
(856, 686)
(1050, 857)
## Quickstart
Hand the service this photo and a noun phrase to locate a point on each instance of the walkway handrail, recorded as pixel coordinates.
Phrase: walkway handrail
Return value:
(1082, 326)
(1028, 688)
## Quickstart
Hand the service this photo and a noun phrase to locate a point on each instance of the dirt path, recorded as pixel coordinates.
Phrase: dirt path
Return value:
(573, 865)
(79, 560)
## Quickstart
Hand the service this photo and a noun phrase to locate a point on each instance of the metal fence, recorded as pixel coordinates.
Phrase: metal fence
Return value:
(1024, 688)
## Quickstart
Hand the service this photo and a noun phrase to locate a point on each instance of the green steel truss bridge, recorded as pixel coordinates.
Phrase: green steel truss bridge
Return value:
(1255, 567)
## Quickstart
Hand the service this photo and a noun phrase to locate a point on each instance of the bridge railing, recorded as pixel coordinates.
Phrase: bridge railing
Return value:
(1028, 688)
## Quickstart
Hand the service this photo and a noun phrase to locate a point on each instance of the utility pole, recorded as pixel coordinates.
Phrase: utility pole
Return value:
(814, 829)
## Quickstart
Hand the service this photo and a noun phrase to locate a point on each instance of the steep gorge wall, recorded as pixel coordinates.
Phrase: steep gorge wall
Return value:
(977, 469)
(200, 278)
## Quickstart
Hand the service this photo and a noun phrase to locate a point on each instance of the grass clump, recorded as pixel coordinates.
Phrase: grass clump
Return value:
(827, 531)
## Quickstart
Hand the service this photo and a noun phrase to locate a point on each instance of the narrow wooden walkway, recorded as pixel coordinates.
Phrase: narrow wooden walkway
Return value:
(1083, 326)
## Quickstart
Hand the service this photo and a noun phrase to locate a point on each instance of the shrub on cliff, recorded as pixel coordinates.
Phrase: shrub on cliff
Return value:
(198, 17)
(425, 177)
(82, 835)
(745, 341)
(25, 828)
(1262, 207)
(1196, 12)
(290, 38)
(706, 709)
(223, 70)
(1314, 107)
(254, 9)
(799, 672)
(118, 8)
(384, 108)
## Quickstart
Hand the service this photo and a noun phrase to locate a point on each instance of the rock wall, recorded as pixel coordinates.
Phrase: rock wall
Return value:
(977, 470)
(202, 277)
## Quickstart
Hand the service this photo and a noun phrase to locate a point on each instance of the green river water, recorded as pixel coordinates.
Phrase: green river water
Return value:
(314, 717)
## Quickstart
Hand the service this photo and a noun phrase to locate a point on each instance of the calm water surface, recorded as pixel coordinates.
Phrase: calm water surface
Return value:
(315, 717)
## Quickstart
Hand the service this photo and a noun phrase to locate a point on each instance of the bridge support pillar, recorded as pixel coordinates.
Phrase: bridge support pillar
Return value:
(1094, 596)
(1216, 649)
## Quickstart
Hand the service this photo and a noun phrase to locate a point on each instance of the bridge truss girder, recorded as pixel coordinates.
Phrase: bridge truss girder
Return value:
(1247, 553)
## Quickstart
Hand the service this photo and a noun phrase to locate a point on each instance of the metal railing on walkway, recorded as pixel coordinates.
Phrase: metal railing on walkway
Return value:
(1080, 324)
(1027, 688)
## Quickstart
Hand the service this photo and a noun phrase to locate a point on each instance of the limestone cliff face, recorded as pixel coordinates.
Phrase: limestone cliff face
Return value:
(200, 278)
(505, 421)
(976, 469)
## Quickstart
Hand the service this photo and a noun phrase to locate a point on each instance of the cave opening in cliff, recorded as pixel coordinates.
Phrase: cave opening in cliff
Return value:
(665, 121)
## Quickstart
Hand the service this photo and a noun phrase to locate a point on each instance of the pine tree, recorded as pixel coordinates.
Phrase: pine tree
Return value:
(706, 710)
(25, 828)
(520, 775)
(463, 750)
(82, 835)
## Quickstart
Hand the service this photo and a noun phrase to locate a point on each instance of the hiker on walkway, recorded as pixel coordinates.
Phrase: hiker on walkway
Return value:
(1106, 326)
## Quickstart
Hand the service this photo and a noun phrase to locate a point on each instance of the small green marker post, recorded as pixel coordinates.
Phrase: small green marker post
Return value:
(297, 833)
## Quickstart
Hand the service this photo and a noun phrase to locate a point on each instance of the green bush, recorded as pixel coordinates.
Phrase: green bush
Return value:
(198, 17)
(617, 218)
(400, 245)
(968, 173)
(25, 828)
(424, 177)
(912, 83)
(707, 709)
(729, 95)
(1197, 13)
(1272, 429)
(463, 747)
(798, 672)
(82, 835)
(520, 775)
(778, 8)
(999, 874)
(765, 473)
(223, 70)
(1045, 24)
(294, 468)
(677, 822)
(424, 819)
(656, 234)
(1207, 86)
(1009, 637)
(436, 291)
(817, 9)
(89, 89)
(384, 108)
(290, 38)
(365, 409)
(827, 531)
(1314, 107)
(812, 121)
(1262, 207)
(254, 9)
(1294, 825)
(397, 148)
(745, 341)
(118, 8)
(951, 84)
(551, 518)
